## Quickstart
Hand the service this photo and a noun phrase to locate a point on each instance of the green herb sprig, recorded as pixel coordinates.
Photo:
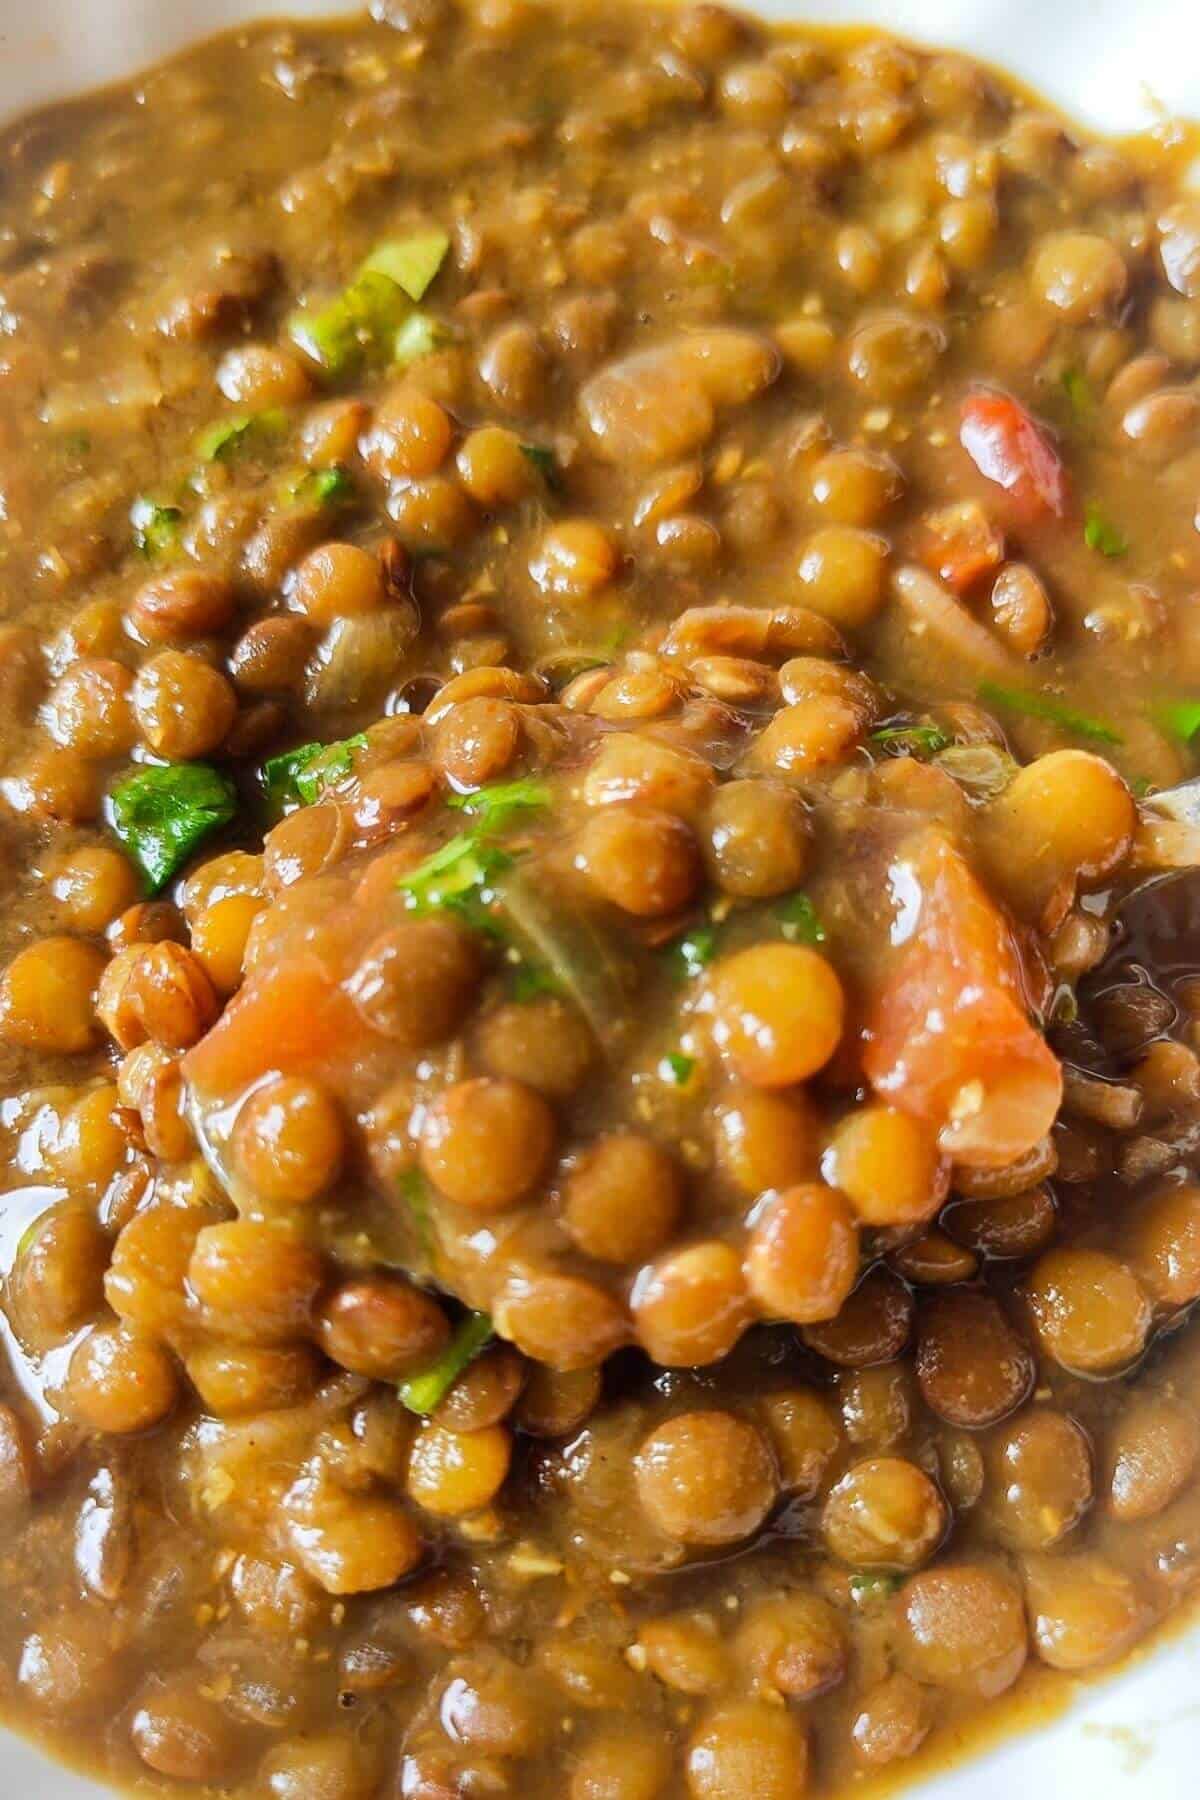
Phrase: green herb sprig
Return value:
(424, 1391)
(1180, 718)
(799, 921)
(155, 527)
(461, 876)
(1042, 706)
(691, 954)
(299, 777)
(1101, 535)
(368, 318)
(922, 741)
(161, 814)
(229, 437)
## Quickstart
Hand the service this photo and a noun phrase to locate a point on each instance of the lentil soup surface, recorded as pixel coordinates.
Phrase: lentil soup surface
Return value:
(599, 671)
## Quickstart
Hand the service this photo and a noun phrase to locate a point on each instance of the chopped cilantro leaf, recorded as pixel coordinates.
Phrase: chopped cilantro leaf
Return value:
(334, 762)
(356, 323)
(77, 444)
(496, 806)
(692, 953)
(1079, 392)
(222, 441)
(912, 740)
(1102, 535)
(679, 1068)
(280, 774)
(298, 777)
(369, 315)
(530, 981)
(615, 641)
(424, 1392)
(799, 921)
(161, 814)
(1041, 706)
(460, 877)
(324, 487)
(873, 1587)
(545, 462)
(1180, 717)
(155, 527)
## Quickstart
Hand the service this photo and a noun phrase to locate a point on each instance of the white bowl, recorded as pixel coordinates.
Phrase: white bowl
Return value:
(1117, 64)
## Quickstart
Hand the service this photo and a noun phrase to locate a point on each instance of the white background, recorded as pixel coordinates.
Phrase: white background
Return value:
(1136, 1737)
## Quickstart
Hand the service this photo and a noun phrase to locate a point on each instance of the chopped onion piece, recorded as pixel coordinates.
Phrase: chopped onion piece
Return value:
(933, 610)
(574, 950)
(359, 657)
(1166, 844)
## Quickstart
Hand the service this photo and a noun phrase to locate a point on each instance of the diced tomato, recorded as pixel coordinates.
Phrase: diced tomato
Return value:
(948, 1037)
(289, 1017)
(1009, 446)
(960, 544)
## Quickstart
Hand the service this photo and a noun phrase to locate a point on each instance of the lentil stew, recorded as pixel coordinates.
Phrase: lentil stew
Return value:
(600, 1015)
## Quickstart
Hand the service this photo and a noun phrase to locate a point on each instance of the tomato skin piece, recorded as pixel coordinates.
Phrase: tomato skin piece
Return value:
(1009, 447)
(289, 1019)
(948, 1036)
(960, 545)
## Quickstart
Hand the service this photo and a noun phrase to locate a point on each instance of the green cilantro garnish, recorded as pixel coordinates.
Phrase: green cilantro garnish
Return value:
(545, 462)
(530, 981)
(615, 641)
(921, 741)
(874, 1587)
(1102, 535)
(1041, 706)
(155, 527)
(679, 1068)
(371, 314)
(459, 878)
(1079, 392)
(424, 1392)
(280, 774)
(161, 814)
(462, 875)
(496, 806)
(798, 920)
(692, 953)
(298, 777)
(224, 440)
(332, 764)
(1179, 717)
(77, 444)
(322, 487)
